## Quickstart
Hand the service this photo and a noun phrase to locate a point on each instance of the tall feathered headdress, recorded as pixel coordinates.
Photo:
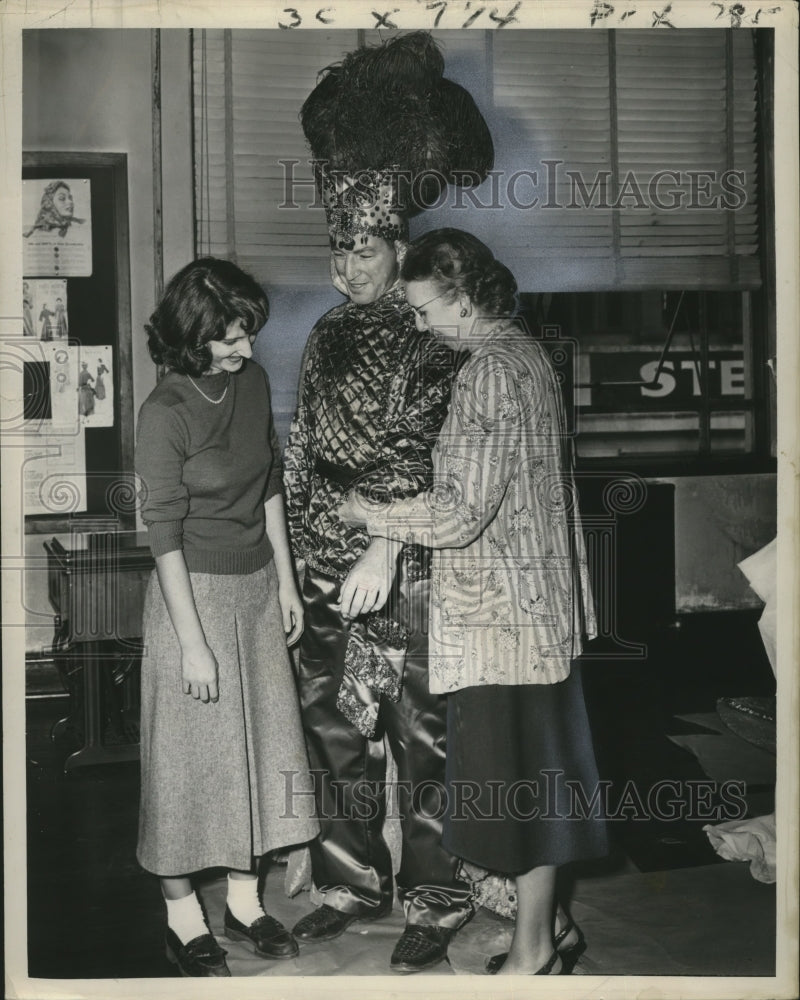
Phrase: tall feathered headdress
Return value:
(388, 132)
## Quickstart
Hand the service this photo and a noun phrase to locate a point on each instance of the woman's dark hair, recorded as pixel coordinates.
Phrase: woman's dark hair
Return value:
(199, 304)
(457, 261)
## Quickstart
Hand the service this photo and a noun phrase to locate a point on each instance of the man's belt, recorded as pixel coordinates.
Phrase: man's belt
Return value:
(416, 558)
(340, 474)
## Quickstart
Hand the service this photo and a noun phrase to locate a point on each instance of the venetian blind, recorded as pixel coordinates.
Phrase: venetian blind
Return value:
(252, 205)
(617, 153)
(644, 146)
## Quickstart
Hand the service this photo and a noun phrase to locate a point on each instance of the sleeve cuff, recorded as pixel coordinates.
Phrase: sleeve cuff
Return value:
(274, 487)
(275, 481)
(164, 536)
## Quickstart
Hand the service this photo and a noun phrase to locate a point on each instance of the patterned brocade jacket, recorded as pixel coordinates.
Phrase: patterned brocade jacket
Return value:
(372, 398)
(511, 597)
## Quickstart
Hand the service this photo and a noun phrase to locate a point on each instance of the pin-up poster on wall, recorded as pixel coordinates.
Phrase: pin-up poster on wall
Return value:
(96, 387)
(70, 387)
(57, 228)
(67, 388)
(62, 363)
(45, 309)
(75, 333)
(55, 445)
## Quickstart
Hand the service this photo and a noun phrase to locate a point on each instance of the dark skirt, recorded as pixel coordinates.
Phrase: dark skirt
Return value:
(522, 781)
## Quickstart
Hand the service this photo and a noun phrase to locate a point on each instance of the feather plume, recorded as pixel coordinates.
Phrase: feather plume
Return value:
(390, 106)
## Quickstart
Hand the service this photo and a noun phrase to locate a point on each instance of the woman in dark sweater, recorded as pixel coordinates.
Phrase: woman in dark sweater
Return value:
(220, 723)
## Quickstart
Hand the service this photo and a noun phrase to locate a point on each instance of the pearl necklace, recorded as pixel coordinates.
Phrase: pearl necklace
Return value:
(216, 402)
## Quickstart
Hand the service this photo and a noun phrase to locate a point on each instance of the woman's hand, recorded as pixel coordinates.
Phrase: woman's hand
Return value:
(288, 598)
(200, 673)
(292, 611)
(354, 509)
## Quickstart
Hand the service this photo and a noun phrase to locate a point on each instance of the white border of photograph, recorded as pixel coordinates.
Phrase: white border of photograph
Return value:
(783, 17)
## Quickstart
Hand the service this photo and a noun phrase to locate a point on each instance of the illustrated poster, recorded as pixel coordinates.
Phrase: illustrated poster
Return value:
(45, 309)
(56, 228)
(95, 387)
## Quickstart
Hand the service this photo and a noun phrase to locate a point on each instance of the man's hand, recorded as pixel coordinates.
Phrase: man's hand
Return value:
(370, 579)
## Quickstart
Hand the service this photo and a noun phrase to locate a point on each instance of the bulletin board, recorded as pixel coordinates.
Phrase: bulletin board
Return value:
(76, 334)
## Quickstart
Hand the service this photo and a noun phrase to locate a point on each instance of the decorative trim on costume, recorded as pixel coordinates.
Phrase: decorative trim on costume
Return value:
(373, 666)
(363, 717)
(491, 890)
(389, 631)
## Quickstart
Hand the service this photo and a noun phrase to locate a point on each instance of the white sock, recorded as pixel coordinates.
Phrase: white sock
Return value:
(185, 917)
(243, 901)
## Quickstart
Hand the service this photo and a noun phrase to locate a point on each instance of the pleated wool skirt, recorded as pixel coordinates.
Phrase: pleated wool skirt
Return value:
(522, 782)
(221, 782)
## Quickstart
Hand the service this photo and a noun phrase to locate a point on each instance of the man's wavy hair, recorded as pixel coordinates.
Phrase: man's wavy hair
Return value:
(198, 305)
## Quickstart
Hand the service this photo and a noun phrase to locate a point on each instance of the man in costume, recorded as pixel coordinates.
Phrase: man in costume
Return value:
(373, 395)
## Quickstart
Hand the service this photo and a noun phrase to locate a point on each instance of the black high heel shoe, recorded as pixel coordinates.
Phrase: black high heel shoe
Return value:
(496, 963)
(569, 955)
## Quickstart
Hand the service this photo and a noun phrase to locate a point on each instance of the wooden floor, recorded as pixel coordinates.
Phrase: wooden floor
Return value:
(93, 913)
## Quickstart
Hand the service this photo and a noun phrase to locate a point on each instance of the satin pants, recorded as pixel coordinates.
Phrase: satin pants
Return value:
(350, 859)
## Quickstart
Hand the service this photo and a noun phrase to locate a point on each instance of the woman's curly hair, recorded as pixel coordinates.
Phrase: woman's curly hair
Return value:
(198, 305)
(457, 261)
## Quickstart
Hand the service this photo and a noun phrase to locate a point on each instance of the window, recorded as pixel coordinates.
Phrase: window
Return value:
(624, 159)
(249, 87)
(662, 376)
(634, 158)
(626, 199)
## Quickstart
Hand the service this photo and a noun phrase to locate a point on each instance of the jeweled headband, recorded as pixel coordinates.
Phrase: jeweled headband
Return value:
(364, 204)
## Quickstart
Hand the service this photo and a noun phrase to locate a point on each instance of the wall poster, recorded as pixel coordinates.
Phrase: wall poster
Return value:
(74, 335)
(45, 310)
(54, 476)
(57, 227)
(95, 378)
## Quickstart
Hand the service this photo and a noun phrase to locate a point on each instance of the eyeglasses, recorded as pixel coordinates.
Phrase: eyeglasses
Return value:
(416, 309)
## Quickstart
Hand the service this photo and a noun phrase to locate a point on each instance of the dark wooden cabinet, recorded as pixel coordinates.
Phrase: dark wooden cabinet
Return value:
(96, 586)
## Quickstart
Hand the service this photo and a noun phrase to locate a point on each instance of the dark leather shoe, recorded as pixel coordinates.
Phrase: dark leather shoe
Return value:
(421, 946)
(201, 956)
(270, 937)
(325, 923)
